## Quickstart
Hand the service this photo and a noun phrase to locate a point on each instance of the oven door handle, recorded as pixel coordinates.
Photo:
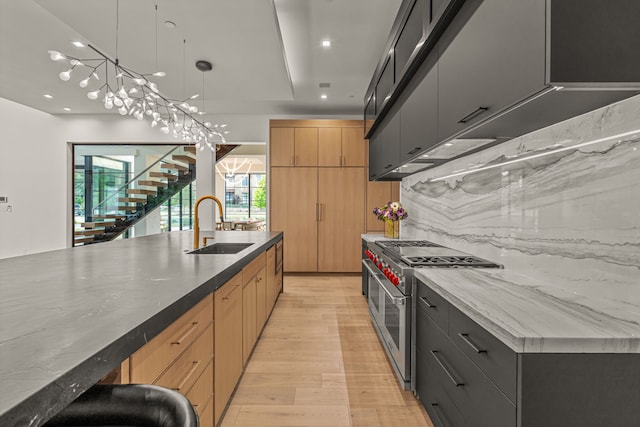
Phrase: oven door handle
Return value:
(392, 292)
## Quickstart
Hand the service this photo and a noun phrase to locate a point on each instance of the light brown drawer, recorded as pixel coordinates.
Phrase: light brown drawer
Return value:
(201, 392)
(251, 269)
(149, 362)
(182, 375)
(206, 416)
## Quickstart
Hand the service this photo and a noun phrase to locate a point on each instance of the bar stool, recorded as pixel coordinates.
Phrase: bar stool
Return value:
(119, 405)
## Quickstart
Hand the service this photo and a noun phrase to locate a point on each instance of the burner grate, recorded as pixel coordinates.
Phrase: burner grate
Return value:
(408, 244)
(448, 261)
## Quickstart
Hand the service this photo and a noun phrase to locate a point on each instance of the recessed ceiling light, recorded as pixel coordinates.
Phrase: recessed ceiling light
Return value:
(170, 24)
(46, 95)
(78, 44)
(323, 96)
(67, 109)
(326, 43)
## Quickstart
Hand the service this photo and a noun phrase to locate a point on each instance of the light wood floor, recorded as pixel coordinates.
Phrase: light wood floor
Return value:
(319, 363)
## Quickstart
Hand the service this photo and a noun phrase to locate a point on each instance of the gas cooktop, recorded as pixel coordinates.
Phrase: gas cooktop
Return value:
(422, 253)
(448, 261)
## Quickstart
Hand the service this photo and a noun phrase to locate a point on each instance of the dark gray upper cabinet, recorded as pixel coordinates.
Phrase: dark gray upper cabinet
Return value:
(420, 112)
(410, 35)
(384, 151)
(384, 84)
(504, 68)
(491, 55)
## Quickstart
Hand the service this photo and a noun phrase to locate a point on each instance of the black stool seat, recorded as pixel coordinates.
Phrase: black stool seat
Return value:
(139, 405)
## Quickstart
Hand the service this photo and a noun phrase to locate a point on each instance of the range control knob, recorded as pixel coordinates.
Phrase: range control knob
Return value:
(395, 280)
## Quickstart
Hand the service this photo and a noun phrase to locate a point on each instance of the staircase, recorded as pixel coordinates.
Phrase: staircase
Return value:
(138, 197)
(146, 192)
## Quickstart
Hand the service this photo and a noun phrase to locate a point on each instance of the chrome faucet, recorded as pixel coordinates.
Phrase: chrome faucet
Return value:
(196, 224)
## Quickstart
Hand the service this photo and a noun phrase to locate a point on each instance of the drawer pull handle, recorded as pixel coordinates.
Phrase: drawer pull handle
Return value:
(415, 150)
(465, 338)
(426, 302)
(438, 415)
(186, 379)
(454, 380)
(472, 114)
(186, 334)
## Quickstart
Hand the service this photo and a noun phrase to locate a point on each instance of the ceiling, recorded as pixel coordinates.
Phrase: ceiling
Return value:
(267, 55)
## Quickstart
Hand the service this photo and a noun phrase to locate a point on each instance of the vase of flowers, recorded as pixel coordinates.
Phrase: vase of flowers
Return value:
(391, 213)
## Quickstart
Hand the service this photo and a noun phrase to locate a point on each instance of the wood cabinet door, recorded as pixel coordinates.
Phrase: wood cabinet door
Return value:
(249, 333)
(341, 196)
(330, 147)
(293, 207)
(354, 147)
(227, 341)
(306, 146)
(271, 278)
(281, 147)
(261, 300)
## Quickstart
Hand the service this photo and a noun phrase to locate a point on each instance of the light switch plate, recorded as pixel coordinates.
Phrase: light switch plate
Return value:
(4, 199)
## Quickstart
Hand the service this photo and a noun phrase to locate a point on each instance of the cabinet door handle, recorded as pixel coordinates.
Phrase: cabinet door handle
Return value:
(426, 302)
(317, 212)
(388, 166)
(466, 339)
(415, 150)
(194, 368)
(186, 334)
(473, 114)
(438, 415)
(454, 380)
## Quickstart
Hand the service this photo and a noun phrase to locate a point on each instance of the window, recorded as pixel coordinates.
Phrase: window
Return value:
(245, 196)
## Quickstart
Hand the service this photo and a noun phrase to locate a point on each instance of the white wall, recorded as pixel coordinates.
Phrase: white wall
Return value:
(35, 171)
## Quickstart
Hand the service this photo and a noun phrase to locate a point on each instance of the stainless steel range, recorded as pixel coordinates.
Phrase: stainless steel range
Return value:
(389, 266)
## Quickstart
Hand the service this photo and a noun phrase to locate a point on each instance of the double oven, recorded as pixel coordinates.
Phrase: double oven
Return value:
(388, 267)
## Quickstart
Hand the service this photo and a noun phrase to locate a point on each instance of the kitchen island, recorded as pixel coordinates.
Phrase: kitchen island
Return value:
(70, 316)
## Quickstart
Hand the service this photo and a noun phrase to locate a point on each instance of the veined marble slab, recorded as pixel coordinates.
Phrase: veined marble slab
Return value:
(533, 317)
(560, 206)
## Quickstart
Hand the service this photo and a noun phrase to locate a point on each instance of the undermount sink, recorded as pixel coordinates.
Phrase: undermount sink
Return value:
(221, 248)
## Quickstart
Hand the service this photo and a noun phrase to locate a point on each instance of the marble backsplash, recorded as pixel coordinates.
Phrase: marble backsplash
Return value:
(561, 205)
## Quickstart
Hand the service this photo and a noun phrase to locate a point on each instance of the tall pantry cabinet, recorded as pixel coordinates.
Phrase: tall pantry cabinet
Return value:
(318, 188)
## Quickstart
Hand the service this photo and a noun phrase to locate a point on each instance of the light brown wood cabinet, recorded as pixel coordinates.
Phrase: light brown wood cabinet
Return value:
(249, 333)
(294, 146)
(271, 279)
(320, 207)
(202, 353)
(228, 341)
(261, 299)
(294, 210)
(341, 147)
(379, 193)
(341, 196)
(180, 358)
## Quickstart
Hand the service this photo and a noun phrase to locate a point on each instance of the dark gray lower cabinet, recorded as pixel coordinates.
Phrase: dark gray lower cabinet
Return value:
(466, 377)
(462, 393)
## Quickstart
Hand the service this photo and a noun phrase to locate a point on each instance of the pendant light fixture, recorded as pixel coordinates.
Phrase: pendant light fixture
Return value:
(135, 94)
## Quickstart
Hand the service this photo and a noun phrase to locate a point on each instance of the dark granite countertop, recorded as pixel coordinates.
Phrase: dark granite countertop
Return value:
(70, 316)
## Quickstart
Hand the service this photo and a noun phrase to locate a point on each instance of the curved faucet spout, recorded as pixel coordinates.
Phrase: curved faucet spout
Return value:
(196, 219)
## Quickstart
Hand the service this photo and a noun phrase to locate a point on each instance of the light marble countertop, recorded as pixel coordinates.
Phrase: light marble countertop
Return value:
(534, 317)
(373, 237)
(70, 316)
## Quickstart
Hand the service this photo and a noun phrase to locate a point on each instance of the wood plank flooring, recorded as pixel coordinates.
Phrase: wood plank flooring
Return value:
(319, 363)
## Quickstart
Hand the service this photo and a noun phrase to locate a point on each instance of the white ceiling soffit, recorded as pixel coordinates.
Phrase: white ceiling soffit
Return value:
(253, 73)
